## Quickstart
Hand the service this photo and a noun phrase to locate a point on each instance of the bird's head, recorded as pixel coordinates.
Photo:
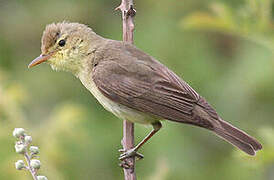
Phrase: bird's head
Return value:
(65, 46)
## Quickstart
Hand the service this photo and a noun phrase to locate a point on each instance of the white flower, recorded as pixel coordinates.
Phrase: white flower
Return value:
(35, 163)
(42, 178)
(20, 148)
(17, 132)
(34, 149)
(19, 164)
(28, 139)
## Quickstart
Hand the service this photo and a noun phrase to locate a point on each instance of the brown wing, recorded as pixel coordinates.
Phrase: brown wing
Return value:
(138, 81)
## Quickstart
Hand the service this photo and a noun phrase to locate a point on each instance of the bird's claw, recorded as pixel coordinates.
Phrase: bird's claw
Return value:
(130, 153)
(126, 165)
(122, 150)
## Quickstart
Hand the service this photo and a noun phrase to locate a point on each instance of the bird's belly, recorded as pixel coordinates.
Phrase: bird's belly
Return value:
(118, 110)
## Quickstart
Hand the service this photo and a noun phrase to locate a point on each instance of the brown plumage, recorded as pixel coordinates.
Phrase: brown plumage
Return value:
(159, 91)
(131, 84)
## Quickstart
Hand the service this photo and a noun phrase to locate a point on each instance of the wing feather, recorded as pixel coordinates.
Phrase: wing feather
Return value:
(138, 81)
(160, 98)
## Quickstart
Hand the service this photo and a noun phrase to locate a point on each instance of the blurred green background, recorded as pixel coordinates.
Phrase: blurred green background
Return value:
(223, 49)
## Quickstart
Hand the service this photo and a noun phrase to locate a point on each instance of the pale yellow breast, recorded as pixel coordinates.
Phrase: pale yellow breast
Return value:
(118, 110)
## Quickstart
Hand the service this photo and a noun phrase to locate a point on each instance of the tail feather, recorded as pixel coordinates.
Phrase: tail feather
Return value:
(241, 135)
(238, 138)
(247, 148)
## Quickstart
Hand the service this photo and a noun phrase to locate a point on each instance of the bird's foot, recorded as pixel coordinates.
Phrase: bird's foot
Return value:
(130, 153)
(126, 163)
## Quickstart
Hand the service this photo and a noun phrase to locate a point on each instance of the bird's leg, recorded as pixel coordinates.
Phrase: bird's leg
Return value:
(133, 152)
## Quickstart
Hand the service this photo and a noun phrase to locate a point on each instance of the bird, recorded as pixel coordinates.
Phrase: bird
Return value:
(132, 85)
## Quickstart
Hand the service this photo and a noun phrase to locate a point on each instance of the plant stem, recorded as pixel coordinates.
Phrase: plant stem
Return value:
(31, 170)
(128, 13)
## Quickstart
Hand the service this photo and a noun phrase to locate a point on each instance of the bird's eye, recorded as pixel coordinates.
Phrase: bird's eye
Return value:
(62, 42)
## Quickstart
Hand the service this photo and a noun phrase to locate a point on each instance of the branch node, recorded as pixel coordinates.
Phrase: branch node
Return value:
(131, 12)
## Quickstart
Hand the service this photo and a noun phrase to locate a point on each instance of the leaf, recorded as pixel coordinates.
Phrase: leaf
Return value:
(204, 21)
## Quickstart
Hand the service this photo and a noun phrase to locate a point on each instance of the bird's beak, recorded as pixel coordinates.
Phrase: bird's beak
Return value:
(40, 59)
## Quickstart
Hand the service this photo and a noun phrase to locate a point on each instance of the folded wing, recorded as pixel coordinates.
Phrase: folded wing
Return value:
(138, 81)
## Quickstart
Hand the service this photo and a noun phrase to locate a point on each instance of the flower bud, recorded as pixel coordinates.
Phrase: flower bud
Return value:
(35, 163)
(42, 178)
(17, 132)
(28, 139)
(19, 165)
(34, 149)
(20, 148)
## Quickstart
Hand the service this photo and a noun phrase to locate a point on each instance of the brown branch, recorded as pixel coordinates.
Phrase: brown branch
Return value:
(126, 7)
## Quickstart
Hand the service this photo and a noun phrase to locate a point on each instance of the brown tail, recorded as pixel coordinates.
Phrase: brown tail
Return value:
(238, 138)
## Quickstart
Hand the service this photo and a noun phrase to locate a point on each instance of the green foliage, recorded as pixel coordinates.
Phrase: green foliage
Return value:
(253, 21)
(223, 49)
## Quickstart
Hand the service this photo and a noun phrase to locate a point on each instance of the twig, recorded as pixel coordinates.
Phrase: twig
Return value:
(128, 13)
